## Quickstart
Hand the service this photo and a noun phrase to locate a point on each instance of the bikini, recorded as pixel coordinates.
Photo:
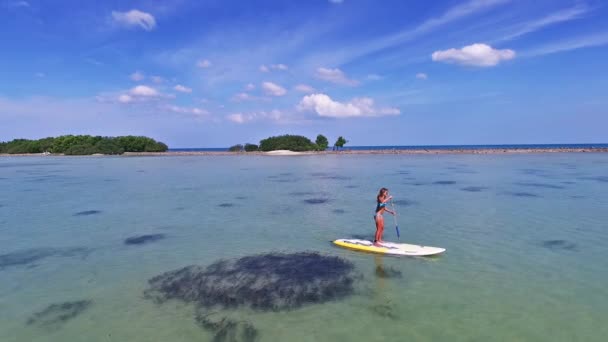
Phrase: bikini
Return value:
(379, 207)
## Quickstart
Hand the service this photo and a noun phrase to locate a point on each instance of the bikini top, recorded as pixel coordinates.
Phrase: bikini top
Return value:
(379, 206)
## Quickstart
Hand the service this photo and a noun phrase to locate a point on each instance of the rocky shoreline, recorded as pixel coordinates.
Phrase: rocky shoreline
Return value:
(349, 152)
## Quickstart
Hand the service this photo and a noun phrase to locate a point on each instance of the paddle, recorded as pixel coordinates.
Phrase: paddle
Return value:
(395, 218)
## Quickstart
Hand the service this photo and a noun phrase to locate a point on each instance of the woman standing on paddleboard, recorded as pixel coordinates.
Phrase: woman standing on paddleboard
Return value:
(381, 201)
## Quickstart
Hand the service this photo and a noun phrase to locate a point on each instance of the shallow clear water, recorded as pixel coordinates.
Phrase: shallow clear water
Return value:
(525, 237)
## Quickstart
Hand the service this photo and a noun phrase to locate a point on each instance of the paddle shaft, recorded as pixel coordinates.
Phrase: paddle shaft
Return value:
(395, 219)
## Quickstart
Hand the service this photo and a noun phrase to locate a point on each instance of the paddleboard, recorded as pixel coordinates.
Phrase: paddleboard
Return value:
(390, 248)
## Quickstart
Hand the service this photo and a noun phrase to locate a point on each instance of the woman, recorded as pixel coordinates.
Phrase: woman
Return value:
(381, 200)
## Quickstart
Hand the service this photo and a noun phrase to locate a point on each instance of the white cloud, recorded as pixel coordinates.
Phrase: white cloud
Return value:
(335, 76)
(421, 76)
(250, 87)
(304, 88)
(264, 68)
(242, 97)
(124, 98)
(135, 18)
(374, 77)
(203, 63)
(157, 79)
(273, 89)
(137, 76)
(480, 55)
(138, 93)
(281, 67)
(240, 118)
(144, 91)
(324, 106)
(182, 89)
(187, 110)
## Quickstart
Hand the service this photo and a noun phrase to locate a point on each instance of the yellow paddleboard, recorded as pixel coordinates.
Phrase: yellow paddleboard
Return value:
(390, 248)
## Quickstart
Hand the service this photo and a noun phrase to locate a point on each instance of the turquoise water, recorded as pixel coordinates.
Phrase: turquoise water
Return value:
(525, 236)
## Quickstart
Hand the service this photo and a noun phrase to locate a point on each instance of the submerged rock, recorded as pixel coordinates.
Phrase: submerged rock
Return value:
(139, 240)
(29, 256)
(87, 213)
(56, 314)
(226, 329)
(387, 272)
(559, 245)
(266, 282)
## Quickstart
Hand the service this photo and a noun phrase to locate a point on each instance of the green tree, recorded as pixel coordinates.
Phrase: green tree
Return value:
(340, 142)
(236, 148)
(296, 143)
(251, 147)
(322, 142)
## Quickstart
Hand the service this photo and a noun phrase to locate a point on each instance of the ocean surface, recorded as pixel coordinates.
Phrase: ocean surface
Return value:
(80, 238)
(425, 147)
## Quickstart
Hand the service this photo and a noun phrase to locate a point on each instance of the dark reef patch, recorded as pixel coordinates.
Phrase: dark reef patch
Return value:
(143, 239)
(444, 182)
(265, 282)
(29, 256)
(225, 329)
(55, 314)
(87, 213)
(601, 179)
(352, 186)
(241, 197)
(384, 310)
(316, 200)
(557, 245)
(413, 183)
(523, 194)
(540, 185)
(226, 205)
(304, 193)
(339, 211)
(387, 272)
(474, 188)
(404, 202)
(331, 176)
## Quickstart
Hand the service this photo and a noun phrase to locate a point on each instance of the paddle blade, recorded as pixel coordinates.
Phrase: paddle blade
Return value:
(397, 229)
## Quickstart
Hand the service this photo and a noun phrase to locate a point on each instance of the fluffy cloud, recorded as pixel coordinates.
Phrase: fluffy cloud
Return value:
(138, 94)
(421, 76)
(335, 76)
(304, 88)
(273, 89)
(240, 118)
(203, 63)
(279, 67)
(137, 76)
(135, 18)
(324, 106)
(250, 87)
(182, 89)
(480, 55)
(186, 110)
(242, 97)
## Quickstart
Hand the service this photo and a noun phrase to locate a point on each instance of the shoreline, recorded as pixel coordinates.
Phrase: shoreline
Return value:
(343, 152)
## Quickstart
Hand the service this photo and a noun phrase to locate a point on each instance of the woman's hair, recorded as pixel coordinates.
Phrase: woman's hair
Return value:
(382, 192)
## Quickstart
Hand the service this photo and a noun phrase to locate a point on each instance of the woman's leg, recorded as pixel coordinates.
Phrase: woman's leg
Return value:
(381, 229)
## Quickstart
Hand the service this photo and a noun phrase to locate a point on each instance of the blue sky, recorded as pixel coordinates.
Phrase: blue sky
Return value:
(216, 73)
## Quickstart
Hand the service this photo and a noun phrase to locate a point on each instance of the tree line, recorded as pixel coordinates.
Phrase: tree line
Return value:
(83, 145)
(295, 143)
